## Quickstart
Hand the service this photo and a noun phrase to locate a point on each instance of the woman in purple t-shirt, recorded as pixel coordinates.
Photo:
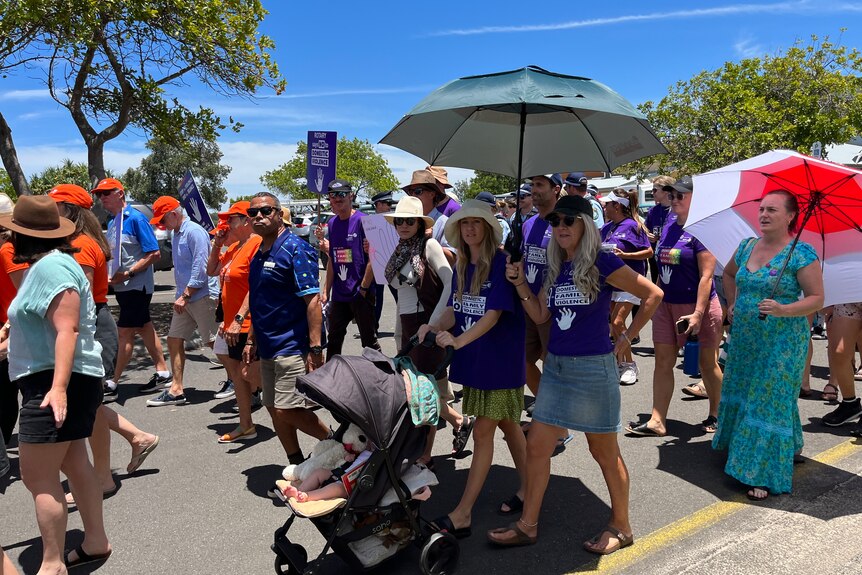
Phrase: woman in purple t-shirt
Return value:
(485, 324)
(580, 388)
(690, 308)
(625, 236)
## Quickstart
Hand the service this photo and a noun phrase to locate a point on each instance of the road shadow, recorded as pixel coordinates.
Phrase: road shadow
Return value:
(260, 479)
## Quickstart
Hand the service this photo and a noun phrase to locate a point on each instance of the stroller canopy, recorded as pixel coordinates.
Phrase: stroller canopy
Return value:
(364, 390)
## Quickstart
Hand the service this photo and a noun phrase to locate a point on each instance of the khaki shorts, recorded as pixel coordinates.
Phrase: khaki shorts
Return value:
(537, 339)
(278, 380)
(199, 314)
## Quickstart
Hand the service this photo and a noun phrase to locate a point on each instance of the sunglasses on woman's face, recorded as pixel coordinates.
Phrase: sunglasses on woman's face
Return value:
(403, 221)
(555, 220)
(418, 191)
(678, 196)
(265, 211)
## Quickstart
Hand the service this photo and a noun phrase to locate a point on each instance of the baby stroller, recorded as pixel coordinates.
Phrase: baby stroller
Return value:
(368, 391)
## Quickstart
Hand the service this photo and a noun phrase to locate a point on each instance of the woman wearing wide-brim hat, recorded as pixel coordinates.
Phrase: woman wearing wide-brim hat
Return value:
(56, 362)
(484, 322)
(421, 274)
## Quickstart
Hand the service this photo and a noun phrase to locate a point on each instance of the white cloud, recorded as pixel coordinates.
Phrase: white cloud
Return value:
(25, 95)
(748, 48)
(249, 161)
(798, 7)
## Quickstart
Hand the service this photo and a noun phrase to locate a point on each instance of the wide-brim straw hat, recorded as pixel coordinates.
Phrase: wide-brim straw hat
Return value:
(38, 217)
(472, 209)
(409, 207)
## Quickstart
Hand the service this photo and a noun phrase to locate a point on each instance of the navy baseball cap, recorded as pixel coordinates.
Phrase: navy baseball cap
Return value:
(555, 179)
(577, 179)
(486, 197)
(340, 186)
(382, 197)
(524, 190)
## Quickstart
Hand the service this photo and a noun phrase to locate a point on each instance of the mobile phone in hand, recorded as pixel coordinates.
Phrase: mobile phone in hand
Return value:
(681, 326)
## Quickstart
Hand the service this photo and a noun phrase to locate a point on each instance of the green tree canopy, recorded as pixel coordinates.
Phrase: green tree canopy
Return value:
(161, 171)
(810, 93)
(485, 182)
(6, 186)
(67, 172)
(356, 161)
(111, 62)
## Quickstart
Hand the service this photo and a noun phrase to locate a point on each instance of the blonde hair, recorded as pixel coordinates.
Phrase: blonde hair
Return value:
(483, 267)
(663, 181)
(585, 274)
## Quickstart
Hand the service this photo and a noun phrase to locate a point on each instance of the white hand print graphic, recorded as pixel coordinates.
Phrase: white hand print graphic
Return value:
(342, 272)
(567, 316)
(532, 272)
(666, 272)
(468, 323)
(319, 180)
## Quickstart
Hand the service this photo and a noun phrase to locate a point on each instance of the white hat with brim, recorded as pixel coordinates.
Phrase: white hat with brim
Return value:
(612, 197)
(409, 207)
(472, 209)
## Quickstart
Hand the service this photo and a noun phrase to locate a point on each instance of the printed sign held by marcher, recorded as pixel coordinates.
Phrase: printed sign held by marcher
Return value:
(382, 239)
(321, 160)
(193, 202)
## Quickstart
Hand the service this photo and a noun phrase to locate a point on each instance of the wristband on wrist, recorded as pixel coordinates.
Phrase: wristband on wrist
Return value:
(625, 335)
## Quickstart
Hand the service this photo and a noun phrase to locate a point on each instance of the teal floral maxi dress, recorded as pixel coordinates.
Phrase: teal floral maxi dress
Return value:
(758, 417)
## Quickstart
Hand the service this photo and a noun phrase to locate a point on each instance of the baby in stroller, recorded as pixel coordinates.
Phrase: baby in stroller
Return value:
(325, 484)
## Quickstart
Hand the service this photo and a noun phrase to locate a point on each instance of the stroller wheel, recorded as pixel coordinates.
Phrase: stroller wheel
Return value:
(281, 561)
(440, 554)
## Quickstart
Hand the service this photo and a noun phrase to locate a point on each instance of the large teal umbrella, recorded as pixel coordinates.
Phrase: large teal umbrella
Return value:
(524, 123)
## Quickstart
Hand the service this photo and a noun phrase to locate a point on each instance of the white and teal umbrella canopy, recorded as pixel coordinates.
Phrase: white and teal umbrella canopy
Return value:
(553, 122)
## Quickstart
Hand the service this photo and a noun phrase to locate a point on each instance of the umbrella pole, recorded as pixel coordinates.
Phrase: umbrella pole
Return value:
(808, 213)
(517, 236)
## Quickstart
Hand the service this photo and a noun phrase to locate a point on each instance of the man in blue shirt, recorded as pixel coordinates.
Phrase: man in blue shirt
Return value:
(197, 293)
(286, 322)
(133, 284)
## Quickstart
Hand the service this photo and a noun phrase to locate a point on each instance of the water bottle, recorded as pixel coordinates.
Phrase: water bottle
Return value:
(690, 357)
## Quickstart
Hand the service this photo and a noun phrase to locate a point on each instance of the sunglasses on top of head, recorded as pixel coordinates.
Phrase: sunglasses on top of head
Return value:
(402, 221)
(265, 211)
(555, 220)
(341, 194)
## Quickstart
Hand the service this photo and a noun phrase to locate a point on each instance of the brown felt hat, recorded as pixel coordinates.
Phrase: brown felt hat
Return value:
(38, 217)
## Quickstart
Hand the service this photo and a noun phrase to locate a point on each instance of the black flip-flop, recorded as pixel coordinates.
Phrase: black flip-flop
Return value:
(462, 436)
(84, 557)
(641, 430)
(515, 504)
(444, 523)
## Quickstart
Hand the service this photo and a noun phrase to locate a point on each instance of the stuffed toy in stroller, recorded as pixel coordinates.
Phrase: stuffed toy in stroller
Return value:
(329, 454)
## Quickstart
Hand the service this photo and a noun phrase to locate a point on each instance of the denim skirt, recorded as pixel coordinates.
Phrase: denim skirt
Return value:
(581, 393)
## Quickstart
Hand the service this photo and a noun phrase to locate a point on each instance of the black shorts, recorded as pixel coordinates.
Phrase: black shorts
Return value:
(36, 425)
(235, 351)
(134, 308)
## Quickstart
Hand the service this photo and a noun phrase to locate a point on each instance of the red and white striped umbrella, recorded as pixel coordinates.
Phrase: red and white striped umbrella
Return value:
(724, 211)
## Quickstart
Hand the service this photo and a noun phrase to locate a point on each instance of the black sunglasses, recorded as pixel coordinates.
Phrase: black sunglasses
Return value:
(402, 221)
(418, 191)
(265, 211)
(338, 194)
(103, 193)
(555, 220)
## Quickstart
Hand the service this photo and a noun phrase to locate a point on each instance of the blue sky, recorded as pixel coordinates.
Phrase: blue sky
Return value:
(357, 67)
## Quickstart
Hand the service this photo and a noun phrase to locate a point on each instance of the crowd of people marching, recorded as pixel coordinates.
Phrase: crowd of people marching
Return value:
(559, 319)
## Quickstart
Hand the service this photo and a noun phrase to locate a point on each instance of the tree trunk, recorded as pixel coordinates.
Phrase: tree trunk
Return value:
(95, 160)
(10, 160)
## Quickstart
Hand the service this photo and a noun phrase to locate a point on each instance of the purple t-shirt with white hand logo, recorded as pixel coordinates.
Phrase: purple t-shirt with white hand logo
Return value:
(347, 256)
(537, 234)
(678, 272)
(497, 359)
(628, 237)
(580, 326)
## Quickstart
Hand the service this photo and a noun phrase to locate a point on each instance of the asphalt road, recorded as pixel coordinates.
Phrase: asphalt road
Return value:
(198, 507)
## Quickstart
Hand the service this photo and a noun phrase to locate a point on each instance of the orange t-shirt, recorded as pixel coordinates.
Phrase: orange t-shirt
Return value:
(91, 255)
(7, 288)
(234, 278)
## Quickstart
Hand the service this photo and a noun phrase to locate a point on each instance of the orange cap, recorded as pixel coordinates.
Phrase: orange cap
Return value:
(71, 194)
(161, 206)
(107, 185)
(241, 207)
(222, 225)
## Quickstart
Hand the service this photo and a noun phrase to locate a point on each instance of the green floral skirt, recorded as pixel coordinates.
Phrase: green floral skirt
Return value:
(497, 404)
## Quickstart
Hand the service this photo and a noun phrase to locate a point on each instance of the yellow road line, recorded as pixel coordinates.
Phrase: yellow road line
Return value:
(697, 521)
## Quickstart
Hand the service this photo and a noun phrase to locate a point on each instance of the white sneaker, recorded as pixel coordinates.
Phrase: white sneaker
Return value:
(628, 373)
